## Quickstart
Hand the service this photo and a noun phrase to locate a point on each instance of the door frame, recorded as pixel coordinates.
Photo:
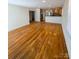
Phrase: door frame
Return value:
(31, 16)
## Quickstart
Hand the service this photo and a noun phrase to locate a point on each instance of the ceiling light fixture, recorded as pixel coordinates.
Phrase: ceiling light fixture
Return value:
(44, 1)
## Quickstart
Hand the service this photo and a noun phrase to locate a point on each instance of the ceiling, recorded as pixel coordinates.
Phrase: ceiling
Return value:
(37, 3)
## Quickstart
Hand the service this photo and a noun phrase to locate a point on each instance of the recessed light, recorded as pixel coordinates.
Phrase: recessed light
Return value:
(44, 1)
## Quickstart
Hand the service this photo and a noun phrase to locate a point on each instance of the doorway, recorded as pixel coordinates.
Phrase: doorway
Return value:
(31, 16)
(42, 16)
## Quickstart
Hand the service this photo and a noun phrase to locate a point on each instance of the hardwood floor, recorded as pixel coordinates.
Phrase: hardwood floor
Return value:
(38, 40)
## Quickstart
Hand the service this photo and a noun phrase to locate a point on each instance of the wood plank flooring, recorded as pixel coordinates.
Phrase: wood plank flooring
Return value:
(38, 40)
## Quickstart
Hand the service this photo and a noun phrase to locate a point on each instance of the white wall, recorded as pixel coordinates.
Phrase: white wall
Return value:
(69, 18)
(66, 24)
(17, 17)
(37, 15)
(65, 13)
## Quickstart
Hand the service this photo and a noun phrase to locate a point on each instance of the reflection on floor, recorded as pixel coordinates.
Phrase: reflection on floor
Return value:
(38, 40)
